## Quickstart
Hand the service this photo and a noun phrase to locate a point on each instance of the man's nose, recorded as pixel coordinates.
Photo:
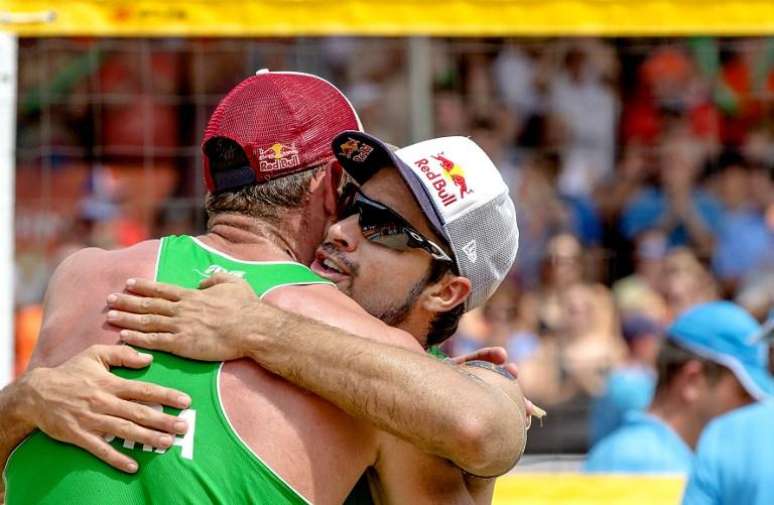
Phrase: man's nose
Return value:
(346, 233)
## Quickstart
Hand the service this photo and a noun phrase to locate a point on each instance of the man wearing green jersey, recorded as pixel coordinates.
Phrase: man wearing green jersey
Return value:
(226, 320)
(285, 445)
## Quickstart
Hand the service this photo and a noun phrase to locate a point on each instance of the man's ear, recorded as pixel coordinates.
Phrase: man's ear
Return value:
(691, 381)
(446, 294)
(326, 182)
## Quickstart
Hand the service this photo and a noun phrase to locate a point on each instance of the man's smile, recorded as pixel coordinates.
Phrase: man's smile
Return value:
(329, 265)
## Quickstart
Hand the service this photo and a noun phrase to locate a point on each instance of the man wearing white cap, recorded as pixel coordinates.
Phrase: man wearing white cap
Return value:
(282, 444)
(454, 194)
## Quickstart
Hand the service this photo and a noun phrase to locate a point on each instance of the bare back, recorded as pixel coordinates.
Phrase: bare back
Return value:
(315, 447)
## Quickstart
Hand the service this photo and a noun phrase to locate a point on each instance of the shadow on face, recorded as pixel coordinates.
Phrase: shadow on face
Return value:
(384, 281)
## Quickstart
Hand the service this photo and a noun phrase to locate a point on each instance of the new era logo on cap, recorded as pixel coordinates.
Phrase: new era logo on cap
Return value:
(470, 251)
(473, 205)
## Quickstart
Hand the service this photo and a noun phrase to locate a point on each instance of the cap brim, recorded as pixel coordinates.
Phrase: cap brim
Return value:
(759, 384)
(362, 164)
(756, 380)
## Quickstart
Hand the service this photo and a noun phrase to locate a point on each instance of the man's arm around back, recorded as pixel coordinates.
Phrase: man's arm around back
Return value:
(385, 378)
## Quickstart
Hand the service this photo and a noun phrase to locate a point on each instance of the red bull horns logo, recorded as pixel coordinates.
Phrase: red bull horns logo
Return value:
(451, 175)
(355, 150)
(349, 147)
(278, 157)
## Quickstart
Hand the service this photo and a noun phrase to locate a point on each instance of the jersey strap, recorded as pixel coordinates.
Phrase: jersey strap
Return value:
(210, 463)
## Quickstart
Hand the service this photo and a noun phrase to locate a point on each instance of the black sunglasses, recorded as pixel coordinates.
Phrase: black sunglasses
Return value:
(384, 226)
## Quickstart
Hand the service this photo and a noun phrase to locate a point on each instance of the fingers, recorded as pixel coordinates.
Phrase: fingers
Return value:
(140, 322)
(104, 451)
(150, 393)
(120, 355)
(512, 369)
(153, 289)
(534, 410)
(128, 430)
(146, 416)
(152, 340)
(141, 304)
(495, 355)
(218, 278)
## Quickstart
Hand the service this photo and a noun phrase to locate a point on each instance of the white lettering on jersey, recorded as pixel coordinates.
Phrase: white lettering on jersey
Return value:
(185, 442)
(216, 269)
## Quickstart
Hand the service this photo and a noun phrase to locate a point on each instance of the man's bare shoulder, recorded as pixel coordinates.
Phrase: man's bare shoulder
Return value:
(104, 265)
(308, 297)
(325, 303)
(74, 305)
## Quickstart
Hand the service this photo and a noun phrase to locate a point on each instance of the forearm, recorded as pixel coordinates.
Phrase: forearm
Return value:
(13, 423)
(435, 406)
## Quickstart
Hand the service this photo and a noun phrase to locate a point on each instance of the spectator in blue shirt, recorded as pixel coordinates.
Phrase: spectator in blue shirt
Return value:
(743, 240)
(707, 366)
(629, 387)
(735, 457)
(687, 214)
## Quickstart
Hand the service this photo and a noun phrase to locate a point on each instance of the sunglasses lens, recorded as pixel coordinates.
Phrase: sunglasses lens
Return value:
(383, 226)
(389, 236)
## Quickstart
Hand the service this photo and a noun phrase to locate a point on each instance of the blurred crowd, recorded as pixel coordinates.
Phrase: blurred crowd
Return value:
(642, 172)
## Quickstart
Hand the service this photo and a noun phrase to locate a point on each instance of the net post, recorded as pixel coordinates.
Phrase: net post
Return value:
(8, 78)
(420, 87)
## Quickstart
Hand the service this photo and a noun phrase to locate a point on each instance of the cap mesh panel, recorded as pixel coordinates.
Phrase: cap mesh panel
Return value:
(298, 111)
(493, 227)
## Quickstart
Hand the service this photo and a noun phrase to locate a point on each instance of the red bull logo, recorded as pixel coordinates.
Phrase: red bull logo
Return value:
(450, 175)
(278, 157)
(355, 150)
(348, 148)
(454, 173)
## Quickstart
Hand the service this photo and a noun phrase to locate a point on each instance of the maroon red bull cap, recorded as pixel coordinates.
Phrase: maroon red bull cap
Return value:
(284, 122)
(461, 193)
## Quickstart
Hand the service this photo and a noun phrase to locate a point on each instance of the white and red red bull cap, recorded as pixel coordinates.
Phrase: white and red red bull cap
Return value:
(460, 191)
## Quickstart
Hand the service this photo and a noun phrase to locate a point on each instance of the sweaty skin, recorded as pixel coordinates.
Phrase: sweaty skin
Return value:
(405, 474)
(220, 321)
(294, 421)
(226, 321)
(297, 420)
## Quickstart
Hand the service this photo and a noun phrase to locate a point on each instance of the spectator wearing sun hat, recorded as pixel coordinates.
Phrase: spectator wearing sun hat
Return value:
(709, 365)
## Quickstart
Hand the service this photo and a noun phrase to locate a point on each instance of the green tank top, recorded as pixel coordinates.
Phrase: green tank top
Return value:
(210, 464)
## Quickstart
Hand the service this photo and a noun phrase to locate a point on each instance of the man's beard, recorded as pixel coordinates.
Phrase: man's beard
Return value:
(396, 314)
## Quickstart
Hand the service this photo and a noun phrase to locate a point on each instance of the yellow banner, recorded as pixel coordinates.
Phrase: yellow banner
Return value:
(578, 489)
(252, 18)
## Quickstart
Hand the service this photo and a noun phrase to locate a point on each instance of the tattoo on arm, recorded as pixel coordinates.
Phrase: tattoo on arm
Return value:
(486, 365)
